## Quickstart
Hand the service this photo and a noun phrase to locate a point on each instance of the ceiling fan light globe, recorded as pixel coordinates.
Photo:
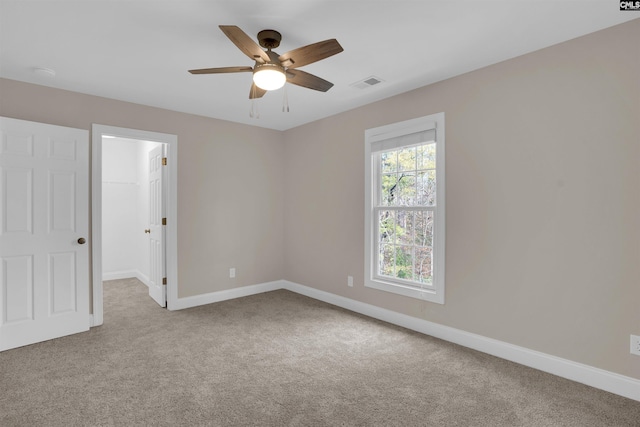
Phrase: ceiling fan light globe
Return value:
(269, 77)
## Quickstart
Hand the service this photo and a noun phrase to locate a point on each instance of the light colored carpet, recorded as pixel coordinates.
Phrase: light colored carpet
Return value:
(278, 359)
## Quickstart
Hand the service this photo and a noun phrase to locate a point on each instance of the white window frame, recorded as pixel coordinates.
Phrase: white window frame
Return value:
(435, 291)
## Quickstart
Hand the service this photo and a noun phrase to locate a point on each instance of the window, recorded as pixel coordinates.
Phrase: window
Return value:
(404, 208)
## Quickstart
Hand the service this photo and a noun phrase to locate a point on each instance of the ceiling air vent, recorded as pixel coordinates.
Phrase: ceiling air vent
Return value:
(367, 82)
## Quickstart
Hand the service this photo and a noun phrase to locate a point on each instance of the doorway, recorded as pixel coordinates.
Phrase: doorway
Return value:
(123, 204)
(132, 212)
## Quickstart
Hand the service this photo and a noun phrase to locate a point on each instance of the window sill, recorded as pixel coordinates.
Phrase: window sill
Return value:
(408, 291)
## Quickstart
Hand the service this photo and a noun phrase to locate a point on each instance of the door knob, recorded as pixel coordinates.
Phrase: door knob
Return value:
(81, 241)
(148, 230)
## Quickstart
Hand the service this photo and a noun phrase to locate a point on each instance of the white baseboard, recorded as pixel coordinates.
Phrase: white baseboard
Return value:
(585, 374)
(227, 294)
(125, 274)
(143, 278)
(117, 275)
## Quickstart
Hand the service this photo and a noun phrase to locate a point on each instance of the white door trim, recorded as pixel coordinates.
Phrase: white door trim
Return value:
(97, 132)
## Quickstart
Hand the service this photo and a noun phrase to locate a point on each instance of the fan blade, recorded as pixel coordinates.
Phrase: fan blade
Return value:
(307, 80)
(256, 92)
(311, 53)
(221, 70)
(245, 43)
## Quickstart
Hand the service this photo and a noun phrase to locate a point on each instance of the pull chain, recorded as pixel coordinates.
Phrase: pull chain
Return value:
(285, 100)
(254, 113)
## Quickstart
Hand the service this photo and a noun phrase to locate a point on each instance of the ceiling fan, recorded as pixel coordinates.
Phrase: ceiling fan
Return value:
(271, 70)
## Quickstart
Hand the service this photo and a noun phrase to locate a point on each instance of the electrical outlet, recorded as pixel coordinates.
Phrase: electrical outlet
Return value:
(635, 345)
(232, 273)
(350, 281)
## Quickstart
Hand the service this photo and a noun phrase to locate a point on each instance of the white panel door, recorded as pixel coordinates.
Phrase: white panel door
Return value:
(44, 209)
(157, 287)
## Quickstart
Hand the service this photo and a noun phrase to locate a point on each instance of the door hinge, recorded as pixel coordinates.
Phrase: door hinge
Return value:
(164, 280)
(164, 161)
(164, 221)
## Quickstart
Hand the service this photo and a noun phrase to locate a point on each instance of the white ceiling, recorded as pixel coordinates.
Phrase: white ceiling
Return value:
(140, 50)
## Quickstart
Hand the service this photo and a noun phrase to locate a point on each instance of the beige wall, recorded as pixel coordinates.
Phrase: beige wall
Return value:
(543, 156)
(543, 200)
(230, 182)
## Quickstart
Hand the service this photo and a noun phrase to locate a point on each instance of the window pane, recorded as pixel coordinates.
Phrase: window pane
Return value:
(407, 159)
(426, 156)
(404, 262)
(389, 193)
(405, 237)
(389, 161)
(426, 188)
(386, 260)
(404, 227)
(386, 227)
(424, 228)
(406, 190)
(423, 272)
